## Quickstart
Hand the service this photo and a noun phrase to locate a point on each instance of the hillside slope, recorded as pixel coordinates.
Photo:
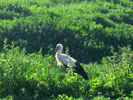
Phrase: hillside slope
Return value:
(87, 27)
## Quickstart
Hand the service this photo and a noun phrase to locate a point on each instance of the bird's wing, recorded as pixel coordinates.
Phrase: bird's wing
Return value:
(67, 60)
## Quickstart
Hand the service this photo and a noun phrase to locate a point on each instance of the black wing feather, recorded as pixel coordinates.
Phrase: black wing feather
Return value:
(79, 70)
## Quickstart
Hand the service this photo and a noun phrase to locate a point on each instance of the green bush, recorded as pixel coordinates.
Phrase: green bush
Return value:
(88, 30)
(85, 29)
(44, 26)
(34, 76)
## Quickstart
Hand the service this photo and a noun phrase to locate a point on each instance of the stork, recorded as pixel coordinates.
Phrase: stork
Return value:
(65, 60)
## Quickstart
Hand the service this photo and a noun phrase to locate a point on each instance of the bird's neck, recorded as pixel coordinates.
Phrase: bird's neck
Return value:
(59, 52)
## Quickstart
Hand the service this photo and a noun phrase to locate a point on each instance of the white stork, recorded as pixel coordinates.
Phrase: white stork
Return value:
(65, 60)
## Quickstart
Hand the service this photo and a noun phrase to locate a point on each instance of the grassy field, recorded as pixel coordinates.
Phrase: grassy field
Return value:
(98, 33)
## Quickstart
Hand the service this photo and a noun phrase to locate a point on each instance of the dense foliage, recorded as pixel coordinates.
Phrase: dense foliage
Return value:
(89, 28)
(33, 76)
(100, 31)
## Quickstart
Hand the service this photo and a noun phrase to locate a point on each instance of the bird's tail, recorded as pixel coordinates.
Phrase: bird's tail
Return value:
(84, 75)
(79, 69)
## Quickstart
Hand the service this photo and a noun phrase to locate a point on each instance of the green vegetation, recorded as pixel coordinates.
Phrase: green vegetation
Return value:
(101, 31)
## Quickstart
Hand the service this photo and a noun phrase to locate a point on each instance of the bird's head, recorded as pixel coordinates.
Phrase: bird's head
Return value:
(59, 47)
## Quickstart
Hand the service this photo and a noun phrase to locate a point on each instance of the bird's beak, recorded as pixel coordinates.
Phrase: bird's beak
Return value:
(55, 52)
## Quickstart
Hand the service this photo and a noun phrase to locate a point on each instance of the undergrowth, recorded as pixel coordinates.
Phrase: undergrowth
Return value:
(33, 76)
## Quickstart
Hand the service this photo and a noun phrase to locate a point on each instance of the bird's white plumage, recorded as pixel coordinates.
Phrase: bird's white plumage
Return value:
(63, 58)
